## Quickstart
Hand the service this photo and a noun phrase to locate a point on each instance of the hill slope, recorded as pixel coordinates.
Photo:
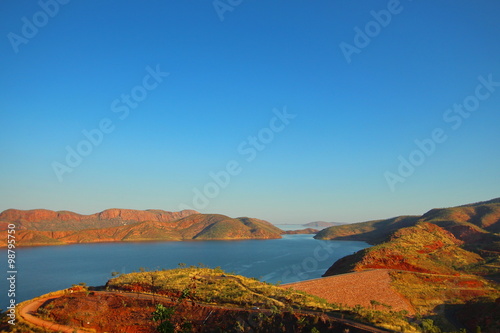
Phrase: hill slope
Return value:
(470, 223)
(370, 231)
(48, 220)
(424, 248)
(444, 260)
(191, 300)
(40, 227)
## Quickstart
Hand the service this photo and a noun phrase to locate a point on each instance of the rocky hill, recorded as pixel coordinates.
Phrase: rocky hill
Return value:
(45, 227)
(424, 248)
(471, 223)
(195, 299)
(371, 232)
(48, 220)
(442, 241)
(445, 260)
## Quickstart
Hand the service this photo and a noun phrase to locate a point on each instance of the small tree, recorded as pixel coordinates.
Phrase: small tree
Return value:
(163, 316)
(428, 326)
(374, 303)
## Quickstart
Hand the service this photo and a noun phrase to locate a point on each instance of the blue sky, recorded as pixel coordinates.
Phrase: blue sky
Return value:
(349, 122)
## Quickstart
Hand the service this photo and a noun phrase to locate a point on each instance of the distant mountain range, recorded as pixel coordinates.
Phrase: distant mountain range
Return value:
(301, 231)
(321, 224)
(48, 220)
(46, 227)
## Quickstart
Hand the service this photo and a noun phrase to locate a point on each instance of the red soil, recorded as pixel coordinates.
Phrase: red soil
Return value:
(356, 288)
(114, 312)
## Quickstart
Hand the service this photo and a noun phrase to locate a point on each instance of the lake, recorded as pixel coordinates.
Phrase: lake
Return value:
(290, 259)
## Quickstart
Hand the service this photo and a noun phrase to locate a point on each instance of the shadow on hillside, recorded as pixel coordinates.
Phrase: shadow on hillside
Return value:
(383, 229)
(482, 313)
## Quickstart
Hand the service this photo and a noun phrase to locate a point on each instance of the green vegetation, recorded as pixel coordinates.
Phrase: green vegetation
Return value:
(427, 292)
(422, 248)
(430, 268)
(445, 259)
(214, 286)
(163, 315)
(443, 262)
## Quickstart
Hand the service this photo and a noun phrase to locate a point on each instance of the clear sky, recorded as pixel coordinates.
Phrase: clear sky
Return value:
(303, 111)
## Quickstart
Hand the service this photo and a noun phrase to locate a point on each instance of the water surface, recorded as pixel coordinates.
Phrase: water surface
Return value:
(292, 258)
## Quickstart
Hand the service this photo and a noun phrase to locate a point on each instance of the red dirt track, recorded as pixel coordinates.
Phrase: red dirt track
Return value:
(28, 310)
(216, 315)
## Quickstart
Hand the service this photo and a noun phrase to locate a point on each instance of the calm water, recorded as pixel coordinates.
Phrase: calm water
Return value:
(293, 258)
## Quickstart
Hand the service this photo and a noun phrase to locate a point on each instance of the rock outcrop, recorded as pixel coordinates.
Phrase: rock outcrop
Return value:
(45, 227)
(48, 220)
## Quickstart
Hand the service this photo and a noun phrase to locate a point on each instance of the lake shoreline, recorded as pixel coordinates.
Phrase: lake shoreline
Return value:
(291, 258)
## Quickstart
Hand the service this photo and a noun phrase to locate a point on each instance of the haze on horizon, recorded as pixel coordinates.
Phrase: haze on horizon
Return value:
(289, 112)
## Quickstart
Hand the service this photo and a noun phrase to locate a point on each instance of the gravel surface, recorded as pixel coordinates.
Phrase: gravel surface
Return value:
(356, 288)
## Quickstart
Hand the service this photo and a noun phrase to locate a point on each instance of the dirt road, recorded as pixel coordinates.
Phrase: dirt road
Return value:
(29, 310)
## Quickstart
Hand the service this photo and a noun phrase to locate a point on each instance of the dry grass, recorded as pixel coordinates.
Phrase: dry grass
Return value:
(428, 291)
(216, 286)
